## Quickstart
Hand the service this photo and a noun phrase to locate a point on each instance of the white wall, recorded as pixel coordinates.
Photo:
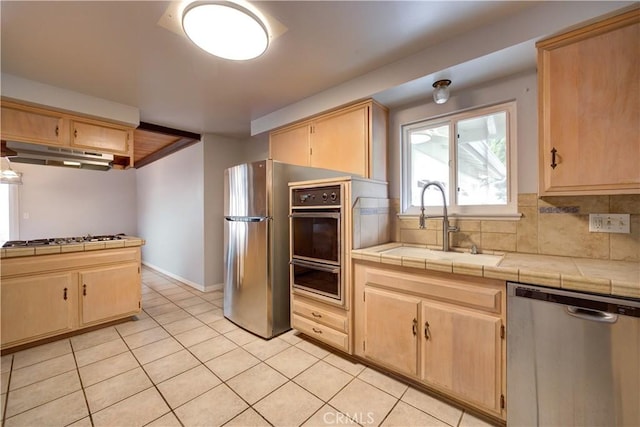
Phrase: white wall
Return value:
(64, 202)
(171, 214)
(219, 154)
(521, 87)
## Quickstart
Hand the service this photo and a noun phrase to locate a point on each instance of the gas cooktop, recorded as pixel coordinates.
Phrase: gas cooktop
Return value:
(62, 240)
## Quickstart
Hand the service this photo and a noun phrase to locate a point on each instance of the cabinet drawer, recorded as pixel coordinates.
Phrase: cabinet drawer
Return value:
(320, 315)
(321, 332)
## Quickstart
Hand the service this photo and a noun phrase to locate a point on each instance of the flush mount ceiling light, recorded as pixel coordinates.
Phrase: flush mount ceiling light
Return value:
(441, 91)
(226, 29)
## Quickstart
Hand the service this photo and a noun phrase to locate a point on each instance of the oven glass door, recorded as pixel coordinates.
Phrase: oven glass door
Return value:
(317, 278)
(316, 236)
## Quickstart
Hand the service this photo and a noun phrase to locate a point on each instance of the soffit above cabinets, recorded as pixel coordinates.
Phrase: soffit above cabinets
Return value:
(153, 142)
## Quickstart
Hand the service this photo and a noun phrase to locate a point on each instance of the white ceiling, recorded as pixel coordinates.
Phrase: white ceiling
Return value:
(134, 53)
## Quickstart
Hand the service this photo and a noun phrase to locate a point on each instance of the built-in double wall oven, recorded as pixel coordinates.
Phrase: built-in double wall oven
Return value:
(316, 243)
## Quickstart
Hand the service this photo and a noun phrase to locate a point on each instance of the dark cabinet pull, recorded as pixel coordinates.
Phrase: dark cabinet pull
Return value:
(553, 158)
(57, 130)
(317, 331)
(84, 290)
(427, 333)
(415, 327)
(65, 294)
(75, 133)
(314, 314)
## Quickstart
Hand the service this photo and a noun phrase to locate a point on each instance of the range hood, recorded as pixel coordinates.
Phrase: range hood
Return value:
(21, 152)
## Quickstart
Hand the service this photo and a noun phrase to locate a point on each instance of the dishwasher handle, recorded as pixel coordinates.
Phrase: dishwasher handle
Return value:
(593, 315)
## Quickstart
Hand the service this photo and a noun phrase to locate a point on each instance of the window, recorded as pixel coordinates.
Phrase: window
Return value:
(471, 154)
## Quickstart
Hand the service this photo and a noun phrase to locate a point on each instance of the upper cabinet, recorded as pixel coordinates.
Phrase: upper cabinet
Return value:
(589, 109)
(352, 139)
(26, 123)
(102, 137)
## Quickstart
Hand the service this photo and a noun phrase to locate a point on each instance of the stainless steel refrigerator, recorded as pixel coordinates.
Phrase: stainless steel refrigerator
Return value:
(256, 239)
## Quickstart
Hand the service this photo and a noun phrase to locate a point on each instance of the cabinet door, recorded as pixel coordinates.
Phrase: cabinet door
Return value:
(291, 145)
(102, 138)
(340, 141)
(109, 293)
(32, 126)
(391, 329)
(589, 94)
(461, 352)
(36, 307)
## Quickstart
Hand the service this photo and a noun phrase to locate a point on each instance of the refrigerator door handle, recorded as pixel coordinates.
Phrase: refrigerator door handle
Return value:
(247, 218)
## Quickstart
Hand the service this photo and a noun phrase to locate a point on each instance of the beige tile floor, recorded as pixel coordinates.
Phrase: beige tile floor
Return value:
(182, 363)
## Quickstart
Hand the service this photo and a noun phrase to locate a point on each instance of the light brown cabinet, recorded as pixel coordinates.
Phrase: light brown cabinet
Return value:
(589, 109)
(391, 329)
(443, 330)
(25, 124)
(323, 322)
(37, 307)
(109, 293)
(461, 352)
(101, 137)
(352, 139)
(38, 125)
(47, 295)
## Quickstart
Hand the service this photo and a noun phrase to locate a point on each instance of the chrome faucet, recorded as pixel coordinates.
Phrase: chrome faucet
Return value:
(446, 228)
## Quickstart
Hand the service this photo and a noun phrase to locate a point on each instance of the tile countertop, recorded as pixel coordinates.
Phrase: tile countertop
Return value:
(125, 242)
(619, 278)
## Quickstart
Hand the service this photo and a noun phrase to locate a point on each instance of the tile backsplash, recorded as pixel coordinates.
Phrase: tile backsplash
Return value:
(550, 226)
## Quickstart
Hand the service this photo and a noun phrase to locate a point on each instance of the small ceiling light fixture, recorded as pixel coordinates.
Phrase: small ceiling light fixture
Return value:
(441, 91)
(8, 175)
(228, 29)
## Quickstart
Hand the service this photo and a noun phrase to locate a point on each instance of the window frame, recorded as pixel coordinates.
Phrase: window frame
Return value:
(454, 209)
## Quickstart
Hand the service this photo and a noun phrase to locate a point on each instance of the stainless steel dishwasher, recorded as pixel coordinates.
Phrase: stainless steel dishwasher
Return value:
(573, 359)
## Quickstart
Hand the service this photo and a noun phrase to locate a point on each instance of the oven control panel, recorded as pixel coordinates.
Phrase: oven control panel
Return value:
(316, 196)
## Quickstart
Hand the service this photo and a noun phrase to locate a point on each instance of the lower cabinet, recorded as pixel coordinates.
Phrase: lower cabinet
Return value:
(48, 295)
(442, 330)
(35, 307)
(321, 321)
(109, 293)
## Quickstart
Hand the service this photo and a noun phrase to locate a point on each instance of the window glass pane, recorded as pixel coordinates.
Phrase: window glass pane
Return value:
(429, 153)
(482, 160)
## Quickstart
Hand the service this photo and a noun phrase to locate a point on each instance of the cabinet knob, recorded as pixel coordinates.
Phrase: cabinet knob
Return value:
(553, 158)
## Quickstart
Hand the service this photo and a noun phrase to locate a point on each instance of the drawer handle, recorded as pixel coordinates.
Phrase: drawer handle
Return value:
(553, 158)
(317, 331)
(415, 327)
(314, 314)
(75, 133)
(57, 130)
(65, 294)
(84, 290)
(427, 332)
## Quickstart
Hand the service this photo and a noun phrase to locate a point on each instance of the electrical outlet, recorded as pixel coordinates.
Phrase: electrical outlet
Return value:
(609, 223)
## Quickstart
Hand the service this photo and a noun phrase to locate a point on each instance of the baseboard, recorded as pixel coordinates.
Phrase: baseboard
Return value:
(198, 286)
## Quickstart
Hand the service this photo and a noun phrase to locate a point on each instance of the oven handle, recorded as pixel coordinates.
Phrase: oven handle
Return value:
(335, 215)
(329, 269)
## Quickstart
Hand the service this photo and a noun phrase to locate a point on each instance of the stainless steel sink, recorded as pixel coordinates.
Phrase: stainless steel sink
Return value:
(428, 254)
